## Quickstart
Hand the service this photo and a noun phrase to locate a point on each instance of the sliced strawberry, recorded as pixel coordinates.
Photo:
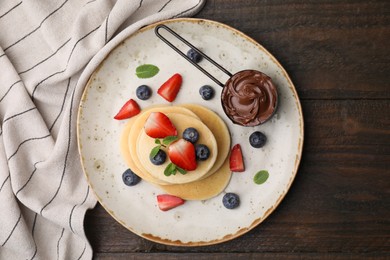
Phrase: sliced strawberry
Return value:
(236, 159)
(166, 202)
(182, 154)
(170, 88)
(158, 125)
(129, 109)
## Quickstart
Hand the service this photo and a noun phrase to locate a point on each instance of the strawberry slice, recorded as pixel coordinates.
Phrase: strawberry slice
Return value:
(166, 202)
(236, 159)
(170, 88)
(158, 125)
(129, 109)
(182, 154)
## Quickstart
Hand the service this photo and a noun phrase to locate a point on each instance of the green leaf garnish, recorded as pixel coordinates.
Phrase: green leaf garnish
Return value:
(182, 171)
(170, 169)
(169, 139)
(146, 71)
(157, 141)
(261, 177)
(154, 151)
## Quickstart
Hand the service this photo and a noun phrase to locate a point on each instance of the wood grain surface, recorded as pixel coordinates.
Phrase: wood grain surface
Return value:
(338, 56)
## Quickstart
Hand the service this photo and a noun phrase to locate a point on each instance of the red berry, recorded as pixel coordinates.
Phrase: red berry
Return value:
(158, 125)
(129, 109)
(170, 88)
(236, 159)
(166, 202)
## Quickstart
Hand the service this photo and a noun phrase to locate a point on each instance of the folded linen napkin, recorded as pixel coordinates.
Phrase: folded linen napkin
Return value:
(45, 47)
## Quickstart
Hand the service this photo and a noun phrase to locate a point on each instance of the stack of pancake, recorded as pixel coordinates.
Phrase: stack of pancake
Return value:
(209, 178)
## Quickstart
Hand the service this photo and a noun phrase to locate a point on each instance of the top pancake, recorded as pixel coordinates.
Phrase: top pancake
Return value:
(145, 144)
(130, 135)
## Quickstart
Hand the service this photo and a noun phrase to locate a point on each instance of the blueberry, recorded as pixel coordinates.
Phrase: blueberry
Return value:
(231, 200)
(206, 92)
(143, 92)
(160, 158)
(130, 178)
(191, 135)
(194, 55)
(202, 152)
(257, 139)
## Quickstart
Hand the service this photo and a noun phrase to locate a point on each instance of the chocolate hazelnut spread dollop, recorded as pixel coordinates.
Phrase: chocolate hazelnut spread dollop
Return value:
(249, 98)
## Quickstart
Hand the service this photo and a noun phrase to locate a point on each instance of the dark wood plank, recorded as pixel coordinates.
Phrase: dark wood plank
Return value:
(339, 202)
(331, 49)
(235, 256)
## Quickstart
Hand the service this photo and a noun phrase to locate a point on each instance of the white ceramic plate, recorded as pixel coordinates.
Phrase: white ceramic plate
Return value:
(196, 222)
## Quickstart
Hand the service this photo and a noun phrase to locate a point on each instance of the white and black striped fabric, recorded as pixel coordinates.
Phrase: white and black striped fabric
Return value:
(45, 46)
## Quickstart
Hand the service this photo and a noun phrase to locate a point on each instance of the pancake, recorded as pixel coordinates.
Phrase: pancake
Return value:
(132, 128)
(145, 144)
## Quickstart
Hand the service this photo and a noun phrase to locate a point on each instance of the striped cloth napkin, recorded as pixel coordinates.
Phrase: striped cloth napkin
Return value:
(48, 48)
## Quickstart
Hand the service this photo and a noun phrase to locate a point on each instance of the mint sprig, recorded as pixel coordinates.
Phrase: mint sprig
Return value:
(182, 171)
(165, 142)
(146, 71)
(261, 177)
(154, 151)
(172, 169)
(169, 139)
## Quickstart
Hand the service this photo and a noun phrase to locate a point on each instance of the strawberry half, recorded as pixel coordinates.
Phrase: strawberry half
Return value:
(158, 125)
(236, 159)
(182, 154)
(129, 109)
(170, 88)
(166, 202)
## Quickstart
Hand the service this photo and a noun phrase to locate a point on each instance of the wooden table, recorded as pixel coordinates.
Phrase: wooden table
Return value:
(338, 56)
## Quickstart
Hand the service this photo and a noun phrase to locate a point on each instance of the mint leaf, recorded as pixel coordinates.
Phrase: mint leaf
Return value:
(182, 171)
(169, 139)
(157, 141)
(146, 71)
(261, 177)
(170, 169)
(154, 151)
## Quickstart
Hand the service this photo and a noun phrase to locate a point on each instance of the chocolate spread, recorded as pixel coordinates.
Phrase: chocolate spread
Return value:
(249, 98)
